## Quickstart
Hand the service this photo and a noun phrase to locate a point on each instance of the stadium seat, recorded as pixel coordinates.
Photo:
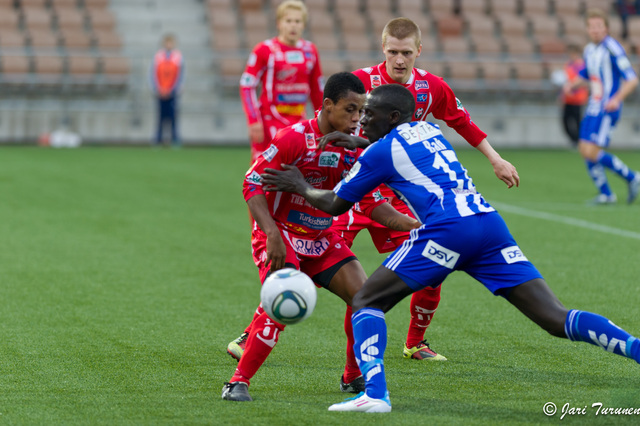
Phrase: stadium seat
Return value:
(463, 74)
(83, 70)
(438, 68)
(101, 19)
(473, 7)
(215, 4)
(605, 5)
(29, 4)
(633, 26)
(250, 5)
(615, 26)
(325, 42)
(480, 25)
(14, 65)
(552, 47)
(67, 4)
(441, 8)
(512, 25)
(36, 18)
(449, 26)
(107, 40)
(230, 69)
(519, 47)
(382, 5)
(535, 7)
(48, 70)
(254, 36)
(223, 20)
(95, 4)
(75, 39)
(544, 26)
(359, 43)
(573, 26)
(495, 73)
(566, 8)
(315, 6)
(355, 24)
(410, 8)
(70, 19)
(509, 7)
(455, 47)
(43, 39)
(321, 22)
(331, 66)
(530, 71)
(9, 19)
(115, 71)
(12, 40)
(379, 18)
(487, 46)
(256, 21)
(225, 41)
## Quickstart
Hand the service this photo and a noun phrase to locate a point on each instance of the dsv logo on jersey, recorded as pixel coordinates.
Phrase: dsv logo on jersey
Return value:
(441, 255)
(513, 254)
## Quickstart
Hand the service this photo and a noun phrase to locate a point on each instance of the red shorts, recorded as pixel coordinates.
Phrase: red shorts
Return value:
(320, 257)
(351, 223)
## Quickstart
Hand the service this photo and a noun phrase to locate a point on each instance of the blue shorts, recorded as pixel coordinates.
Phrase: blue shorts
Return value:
(480, 245)
(597, 128)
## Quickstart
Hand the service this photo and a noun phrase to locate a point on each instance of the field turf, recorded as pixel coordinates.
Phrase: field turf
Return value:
(126, 271)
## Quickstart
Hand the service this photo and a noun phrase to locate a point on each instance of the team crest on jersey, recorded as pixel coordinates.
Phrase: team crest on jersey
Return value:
(329, 159)
(377, 196)
(459, 104)
(349, 160)
(294, 57)
(418, 113)
(376, 81)
(270, 153)
(513, 254)
(421, 84)
(310, 139)
(254, 178)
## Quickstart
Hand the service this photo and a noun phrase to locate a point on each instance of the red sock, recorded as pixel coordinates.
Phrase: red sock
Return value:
(256, 314)
(423, 306)
(351, 369)
(262, 338)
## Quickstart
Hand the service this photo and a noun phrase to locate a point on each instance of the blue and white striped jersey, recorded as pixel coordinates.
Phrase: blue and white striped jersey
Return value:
(421, 167)
(606, 64)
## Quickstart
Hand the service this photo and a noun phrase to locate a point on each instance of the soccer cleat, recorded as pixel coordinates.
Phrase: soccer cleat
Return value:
(422, 352)
(236, 348)
(236, 391)
(634, 189)
(355, 386)
(603, 199)
(364, 404)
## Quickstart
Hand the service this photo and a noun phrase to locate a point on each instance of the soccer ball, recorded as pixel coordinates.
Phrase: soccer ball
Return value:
(288, 296)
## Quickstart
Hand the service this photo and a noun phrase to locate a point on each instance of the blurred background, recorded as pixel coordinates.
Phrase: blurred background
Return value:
(83, 65)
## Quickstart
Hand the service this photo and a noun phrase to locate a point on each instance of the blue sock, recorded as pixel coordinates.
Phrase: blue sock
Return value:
(612, 162)
(370, 335)
(596, 171)
(598, 330)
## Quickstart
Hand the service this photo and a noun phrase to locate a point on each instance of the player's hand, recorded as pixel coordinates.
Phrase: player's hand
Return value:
(256, 133)
(612, 105)
(289, 179)
(506, 172)
(276, 252)
(341, 139)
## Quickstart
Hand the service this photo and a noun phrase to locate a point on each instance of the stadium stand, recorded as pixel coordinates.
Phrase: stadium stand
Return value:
(485, 48)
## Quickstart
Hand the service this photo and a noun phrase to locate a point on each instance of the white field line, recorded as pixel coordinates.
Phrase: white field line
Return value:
(566, 220)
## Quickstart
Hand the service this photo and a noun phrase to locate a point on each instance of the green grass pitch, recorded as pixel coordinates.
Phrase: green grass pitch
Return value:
(126, 271)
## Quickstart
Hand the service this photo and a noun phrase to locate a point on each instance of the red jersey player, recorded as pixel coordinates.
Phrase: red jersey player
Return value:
(288, 70)
(401, 44)
(288, 231)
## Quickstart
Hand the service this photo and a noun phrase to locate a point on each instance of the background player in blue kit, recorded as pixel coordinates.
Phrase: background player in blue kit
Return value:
(611, 79)
(460, 231)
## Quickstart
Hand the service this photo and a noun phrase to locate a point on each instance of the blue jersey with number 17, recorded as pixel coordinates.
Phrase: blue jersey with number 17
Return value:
(421, 167)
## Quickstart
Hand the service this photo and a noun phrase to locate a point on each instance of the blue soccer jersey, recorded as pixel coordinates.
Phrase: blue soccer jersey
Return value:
(606, 64)
(461, 230)
(411, 160)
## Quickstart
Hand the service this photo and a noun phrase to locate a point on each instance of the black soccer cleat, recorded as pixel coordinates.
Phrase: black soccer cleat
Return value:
(236, 391)
(355, 386)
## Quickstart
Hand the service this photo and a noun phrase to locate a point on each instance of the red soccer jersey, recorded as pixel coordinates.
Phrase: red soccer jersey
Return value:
(289, 76)
(323, 169)
(432, 95)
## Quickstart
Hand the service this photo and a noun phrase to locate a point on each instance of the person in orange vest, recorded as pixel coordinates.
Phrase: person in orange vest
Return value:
(167, 71)
(574, 101)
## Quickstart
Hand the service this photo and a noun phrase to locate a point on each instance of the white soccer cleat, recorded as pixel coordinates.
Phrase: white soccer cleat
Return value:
(364, 404)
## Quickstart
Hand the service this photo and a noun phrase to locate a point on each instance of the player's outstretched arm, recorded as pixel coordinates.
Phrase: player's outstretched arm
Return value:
(343, 140)
(504, 170)
(386, 215)
(276, 250)
(291, 180)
